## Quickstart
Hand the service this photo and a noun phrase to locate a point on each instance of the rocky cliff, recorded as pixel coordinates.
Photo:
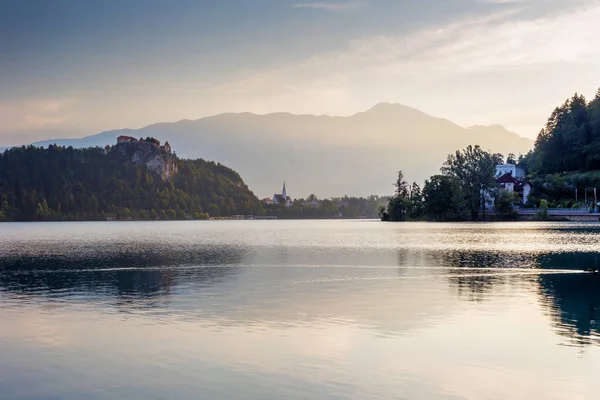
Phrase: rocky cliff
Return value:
(157, 160)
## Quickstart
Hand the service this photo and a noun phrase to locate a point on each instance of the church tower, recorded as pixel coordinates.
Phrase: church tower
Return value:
(283, 192)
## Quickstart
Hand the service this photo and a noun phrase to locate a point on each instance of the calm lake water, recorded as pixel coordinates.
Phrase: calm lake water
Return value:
(299, 310)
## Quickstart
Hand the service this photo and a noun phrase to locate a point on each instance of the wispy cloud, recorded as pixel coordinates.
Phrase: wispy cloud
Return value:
(502, 57)
(328, 6)
(35, 114)
(506, 63)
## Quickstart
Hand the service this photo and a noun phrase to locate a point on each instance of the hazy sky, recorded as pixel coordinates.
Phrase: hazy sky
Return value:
(83, 66)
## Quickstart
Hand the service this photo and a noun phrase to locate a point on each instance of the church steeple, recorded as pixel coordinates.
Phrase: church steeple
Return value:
(283, 192)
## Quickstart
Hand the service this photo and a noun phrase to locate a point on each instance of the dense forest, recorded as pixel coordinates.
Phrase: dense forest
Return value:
(566, 156)
(570, 141)
(58, 183)
(460, 192)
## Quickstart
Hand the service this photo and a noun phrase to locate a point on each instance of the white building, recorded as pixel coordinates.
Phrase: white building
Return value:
(510, 178)
(516, 172)
(282, 198)
(512, 185)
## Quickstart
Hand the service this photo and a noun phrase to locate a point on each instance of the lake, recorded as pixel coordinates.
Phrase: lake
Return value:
(299, 310)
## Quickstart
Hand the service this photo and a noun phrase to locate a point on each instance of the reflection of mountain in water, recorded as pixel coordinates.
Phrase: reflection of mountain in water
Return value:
(573, 302)
(140, 273)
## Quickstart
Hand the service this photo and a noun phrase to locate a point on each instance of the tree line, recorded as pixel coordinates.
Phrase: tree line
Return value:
(337, 207)
(564, 165)
(570, 140)
(63, 183)
(460, 192)
(563, 169)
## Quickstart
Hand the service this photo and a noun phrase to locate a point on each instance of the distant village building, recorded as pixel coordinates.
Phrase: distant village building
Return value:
(282, 198)
(128, 139)
(166, 147)
(513, 185)
(515, 171)
(511, 178)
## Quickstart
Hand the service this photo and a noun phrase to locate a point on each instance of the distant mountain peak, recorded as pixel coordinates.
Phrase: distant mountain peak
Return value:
(395, 110)
(327, 155)
(385, 106)
(496, 127)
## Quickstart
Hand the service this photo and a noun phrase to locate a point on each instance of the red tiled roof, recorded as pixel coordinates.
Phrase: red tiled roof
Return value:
(507, 178)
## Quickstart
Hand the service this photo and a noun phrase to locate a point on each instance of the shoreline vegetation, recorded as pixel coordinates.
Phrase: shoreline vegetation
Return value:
(563, 169)
(142, 181)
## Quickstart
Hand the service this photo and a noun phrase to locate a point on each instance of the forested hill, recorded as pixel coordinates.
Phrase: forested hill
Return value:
(570, 141)
(58, 183)
(357, 154)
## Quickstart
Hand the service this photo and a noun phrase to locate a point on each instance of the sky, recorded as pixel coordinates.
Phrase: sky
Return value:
(69, 68)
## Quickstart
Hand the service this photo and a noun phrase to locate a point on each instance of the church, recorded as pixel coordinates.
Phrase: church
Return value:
(282, 198)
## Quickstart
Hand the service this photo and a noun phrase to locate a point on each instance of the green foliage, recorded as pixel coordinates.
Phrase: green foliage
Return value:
(60, 183)
(505, 205)
(543, 213)
(570, 140)
(400, 205)
(340, 207)
(397, 208)
(402, 189)
(383, 214)
(442, 199)
(201, 216)
(473, 170)
(415, 209)
(466, 183)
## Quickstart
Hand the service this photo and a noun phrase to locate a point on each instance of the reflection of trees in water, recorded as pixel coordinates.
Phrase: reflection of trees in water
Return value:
(134, 275)
(481, 259)
(572, 261)
(470, 271)
(572, 299)
(573, 304)
(472, 287)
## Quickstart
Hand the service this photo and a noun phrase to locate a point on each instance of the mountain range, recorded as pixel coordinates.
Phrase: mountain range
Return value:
(324, 155)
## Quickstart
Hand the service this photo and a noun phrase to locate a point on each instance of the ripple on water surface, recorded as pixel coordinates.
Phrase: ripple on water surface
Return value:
(298, 309)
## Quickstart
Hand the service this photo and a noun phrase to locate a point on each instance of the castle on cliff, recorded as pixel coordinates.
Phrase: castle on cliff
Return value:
(129, 139)
(149, 153)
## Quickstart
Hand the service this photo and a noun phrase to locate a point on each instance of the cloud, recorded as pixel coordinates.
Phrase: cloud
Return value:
(509, 61)
(509, 66)
(35, 113)
(328, 6)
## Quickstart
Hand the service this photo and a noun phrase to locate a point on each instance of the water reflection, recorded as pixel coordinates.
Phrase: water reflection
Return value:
(572, 299)
(131, 275)
(297, 310)
(573, 303)
(260, 277)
